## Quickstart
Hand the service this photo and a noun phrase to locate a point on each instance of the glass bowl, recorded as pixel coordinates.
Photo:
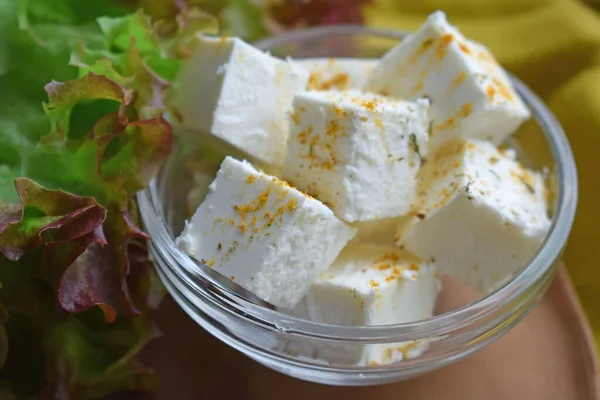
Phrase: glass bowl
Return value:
(270, 337)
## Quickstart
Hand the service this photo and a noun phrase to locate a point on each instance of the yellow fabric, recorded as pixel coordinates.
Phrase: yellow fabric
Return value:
(554, 46)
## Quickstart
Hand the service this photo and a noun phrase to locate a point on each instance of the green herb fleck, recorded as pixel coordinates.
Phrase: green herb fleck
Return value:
(414, 144)
(495, 174)
(410, 108)
(430, 129)
(468, 190)
(527, 185)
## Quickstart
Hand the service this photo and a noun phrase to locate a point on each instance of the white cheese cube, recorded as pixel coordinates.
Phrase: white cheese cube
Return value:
(471, 96)
(240, 95)
(337, 73)
(371, 285)
(479, 214)
(356, 152)
(266, 236)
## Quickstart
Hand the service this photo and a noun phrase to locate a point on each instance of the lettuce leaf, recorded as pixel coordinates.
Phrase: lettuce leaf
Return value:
(76, 279)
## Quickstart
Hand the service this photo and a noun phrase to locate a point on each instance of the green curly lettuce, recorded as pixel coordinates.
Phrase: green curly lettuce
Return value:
(85, 90)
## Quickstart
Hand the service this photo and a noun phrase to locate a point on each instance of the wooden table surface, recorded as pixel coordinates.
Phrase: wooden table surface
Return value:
(548, 356)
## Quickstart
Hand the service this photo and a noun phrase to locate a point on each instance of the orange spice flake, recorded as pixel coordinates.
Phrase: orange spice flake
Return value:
(442, 46)
(332, 128)
(392, 256)
(425, 45)
(389, 353)
(295, 117)
(490, 91)
(466, 110)
(370, 105)
(242, 227)
(303, 136)
(464, 48)
(251, 178)
(422, 49)
(210, 262)
(413, 267)
(314, 80)
(503, 90)
(448, 124)
(383, 267)
(417, 87)
(339, 81)
(339, 111)
(328, 164)
(485, 56)
(314, 140)
(292, 205)
(459, 78)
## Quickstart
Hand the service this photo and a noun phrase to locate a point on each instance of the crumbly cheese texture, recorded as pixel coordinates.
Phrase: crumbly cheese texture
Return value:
(266, 236)
(471, 96)
(337, 73)
(371, 285)
(358, 153)
(240, 95)
(479, 214)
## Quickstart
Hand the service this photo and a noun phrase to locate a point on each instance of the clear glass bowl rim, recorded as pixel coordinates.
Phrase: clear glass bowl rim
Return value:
(547, 255)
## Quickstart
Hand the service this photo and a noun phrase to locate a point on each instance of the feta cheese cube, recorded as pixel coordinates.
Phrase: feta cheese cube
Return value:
(337, 73)
(240, 95)
(371, 285)
(479, 214)
(471, 96)
(356, 152)
(266, 236)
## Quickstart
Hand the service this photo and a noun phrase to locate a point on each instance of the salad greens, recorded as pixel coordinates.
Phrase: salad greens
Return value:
(72, 254)
(84, 92)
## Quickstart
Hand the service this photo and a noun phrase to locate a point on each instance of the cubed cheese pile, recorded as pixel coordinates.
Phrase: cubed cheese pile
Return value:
(391, 175)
